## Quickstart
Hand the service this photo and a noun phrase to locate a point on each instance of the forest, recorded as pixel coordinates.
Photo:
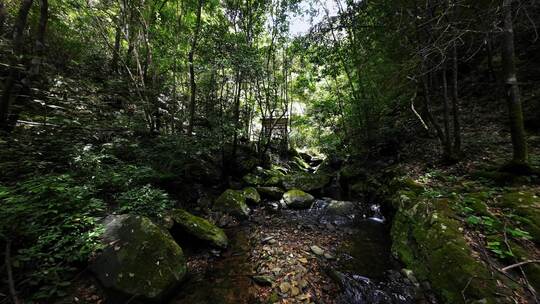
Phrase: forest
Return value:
(270, 151)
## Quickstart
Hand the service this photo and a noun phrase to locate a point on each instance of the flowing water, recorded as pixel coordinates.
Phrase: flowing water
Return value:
(365, 269)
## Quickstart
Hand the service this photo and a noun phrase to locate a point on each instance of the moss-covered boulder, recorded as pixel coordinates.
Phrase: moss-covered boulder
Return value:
(199, 228)
(306, 181)
(299, 163)
(253, 179)
(526, 204)
(232, 202)
(274, 176)
(532, 270)
(252, 196)
(298, 199)
(140, 259)
(340, 208)
(272, 193)
(428, 239)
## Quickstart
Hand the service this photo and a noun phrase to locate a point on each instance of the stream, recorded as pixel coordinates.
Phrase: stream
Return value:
(356, 268)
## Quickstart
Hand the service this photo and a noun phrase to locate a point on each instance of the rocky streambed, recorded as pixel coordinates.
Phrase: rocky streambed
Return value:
(275, 237)
(331, 252)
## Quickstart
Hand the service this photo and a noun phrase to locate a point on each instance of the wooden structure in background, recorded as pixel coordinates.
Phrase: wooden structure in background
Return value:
(276, 129)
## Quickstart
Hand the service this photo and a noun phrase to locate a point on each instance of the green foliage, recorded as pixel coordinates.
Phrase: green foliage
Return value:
(60, 228)
(146, 201)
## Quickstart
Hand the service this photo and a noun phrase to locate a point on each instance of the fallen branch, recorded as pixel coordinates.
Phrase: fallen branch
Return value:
(520, 264)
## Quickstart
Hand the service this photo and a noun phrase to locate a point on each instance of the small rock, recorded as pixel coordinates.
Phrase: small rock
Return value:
(267, 239)
(294, 291)
(285, 287)
(329, 256)
(263, 280)
(317, 250)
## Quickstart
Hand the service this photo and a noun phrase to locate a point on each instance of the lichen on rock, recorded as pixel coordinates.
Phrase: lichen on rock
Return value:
(298, 199)
(232, 202)
(200, 228)
(140, 259)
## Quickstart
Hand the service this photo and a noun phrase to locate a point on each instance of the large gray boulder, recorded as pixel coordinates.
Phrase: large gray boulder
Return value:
(273, 193)
(232, 202)
(200, 228)
(298, 199)
(306, 181)
(252, 196)
(340, 208)
(140, 260)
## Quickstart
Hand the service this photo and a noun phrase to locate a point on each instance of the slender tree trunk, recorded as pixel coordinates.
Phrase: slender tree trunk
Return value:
(489, 49)
(236, 113)
(18, 40)
(42, 29)
(192, 83)
(2, 17)
(446, 117)
(40, 38)
(427, 108)
(513, 97)
(116, 51)
(455, 102)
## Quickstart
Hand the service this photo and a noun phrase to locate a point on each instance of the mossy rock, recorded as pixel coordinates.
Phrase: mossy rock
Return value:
(299, 163)
(306, 181)
(140, 259)
(429, 240)
(340, 208)
(531, 270)
(274, 176)
(253, 179)
(273, 193)
(232, 202)
(298, 199)
(252, 196)
(476, 201)
(200, 228)
(526, 204)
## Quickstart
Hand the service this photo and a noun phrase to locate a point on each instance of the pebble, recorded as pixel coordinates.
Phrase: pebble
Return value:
(317, 250)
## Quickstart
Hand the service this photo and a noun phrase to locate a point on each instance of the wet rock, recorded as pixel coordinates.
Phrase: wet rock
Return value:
(253, 179)
(273, 193)
(428, 239)
(263, 280)
(306, 181)
(140, 259)
(340, 208)
(232, 202)
(329, 256)
(252, 196)
(199, 228)
(297, 199)
(317, 250)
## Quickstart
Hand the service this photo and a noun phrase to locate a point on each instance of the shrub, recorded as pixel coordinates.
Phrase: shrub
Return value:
(52, 222)
(147, 201)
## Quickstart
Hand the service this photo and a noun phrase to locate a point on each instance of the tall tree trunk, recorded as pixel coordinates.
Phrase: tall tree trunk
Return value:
(236, 113)
(2, 17)
(40, 38)
(455, 102)
(18, 39)
(192, 83)
(116, 51)
(447, 145)
(42, 29)
(427, 106)
(513, 98)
